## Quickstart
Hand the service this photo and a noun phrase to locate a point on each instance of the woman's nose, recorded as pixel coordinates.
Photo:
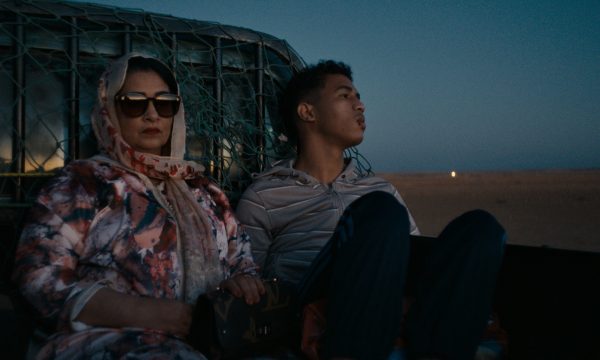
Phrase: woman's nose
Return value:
(151, 113)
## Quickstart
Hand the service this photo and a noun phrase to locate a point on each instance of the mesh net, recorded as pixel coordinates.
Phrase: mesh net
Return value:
(52, 54)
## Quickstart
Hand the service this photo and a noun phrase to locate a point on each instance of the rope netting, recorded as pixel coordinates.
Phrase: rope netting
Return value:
(52, 54)
(231, 121)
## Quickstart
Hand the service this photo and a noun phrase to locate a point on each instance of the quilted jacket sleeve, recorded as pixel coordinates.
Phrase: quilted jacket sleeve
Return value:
(254, 217)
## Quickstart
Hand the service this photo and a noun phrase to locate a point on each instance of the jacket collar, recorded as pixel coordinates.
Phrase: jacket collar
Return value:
(285, 169)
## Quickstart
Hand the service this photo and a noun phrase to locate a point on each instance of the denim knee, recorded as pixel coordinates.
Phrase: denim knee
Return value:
(381, 219)
(381, 205)
(485, 231)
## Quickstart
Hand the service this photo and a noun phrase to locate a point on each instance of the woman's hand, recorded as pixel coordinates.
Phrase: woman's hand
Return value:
(249, 286)
(113, 309)
(175, 317)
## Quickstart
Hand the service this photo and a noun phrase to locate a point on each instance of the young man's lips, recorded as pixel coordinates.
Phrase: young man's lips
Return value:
(361, 122)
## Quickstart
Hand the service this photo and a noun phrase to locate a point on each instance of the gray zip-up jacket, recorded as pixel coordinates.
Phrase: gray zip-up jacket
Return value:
(290, 215)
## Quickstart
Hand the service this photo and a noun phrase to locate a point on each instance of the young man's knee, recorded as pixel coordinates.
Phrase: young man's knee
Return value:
(487, 233)
(381, 203)
(382, 219)
(484, 221)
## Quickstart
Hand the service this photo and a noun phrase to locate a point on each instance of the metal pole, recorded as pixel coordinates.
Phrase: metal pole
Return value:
(174, 52)
(260, 106)
(219, 163)
(73, 151)
(19, 111)
(127, 43)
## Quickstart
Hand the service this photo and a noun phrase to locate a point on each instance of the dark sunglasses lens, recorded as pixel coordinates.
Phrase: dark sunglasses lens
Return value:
(166, 106)
(133, 107)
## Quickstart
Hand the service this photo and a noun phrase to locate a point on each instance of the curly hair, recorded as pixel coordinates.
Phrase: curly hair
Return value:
(301, 85)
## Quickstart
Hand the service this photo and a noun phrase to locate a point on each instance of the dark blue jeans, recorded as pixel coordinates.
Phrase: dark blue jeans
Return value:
(363, 272)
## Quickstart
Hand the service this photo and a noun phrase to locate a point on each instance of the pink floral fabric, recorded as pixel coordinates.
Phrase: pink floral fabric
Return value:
(140, 224)
(197, 244)
(96, 224)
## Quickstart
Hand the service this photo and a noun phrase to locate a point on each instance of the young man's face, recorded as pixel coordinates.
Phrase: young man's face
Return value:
(339, 112)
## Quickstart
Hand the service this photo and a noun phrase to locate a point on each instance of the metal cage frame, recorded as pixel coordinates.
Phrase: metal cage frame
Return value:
(65, 37)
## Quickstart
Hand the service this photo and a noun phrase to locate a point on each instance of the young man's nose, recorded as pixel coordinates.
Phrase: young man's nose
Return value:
(359, 106)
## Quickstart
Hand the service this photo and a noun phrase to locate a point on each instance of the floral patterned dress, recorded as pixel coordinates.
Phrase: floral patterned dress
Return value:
(97, 226)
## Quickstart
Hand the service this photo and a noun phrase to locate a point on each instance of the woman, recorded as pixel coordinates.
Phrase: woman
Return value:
(119, 246)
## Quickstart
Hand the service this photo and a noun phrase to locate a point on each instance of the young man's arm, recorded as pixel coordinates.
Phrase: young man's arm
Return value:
(252, 214)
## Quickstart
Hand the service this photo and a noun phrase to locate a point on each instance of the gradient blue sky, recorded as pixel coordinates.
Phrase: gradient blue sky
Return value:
(448, 85)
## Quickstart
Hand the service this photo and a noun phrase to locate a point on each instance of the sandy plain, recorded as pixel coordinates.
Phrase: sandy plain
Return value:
(555, 208)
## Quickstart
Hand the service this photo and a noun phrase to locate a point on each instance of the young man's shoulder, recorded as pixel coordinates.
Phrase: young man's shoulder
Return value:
(372, 179)
(355, 176)
(282, 182)
(280, 173)
(365, 183)
(276, 184)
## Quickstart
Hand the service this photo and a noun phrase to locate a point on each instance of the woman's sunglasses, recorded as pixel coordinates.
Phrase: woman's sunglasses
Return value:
(136, 104)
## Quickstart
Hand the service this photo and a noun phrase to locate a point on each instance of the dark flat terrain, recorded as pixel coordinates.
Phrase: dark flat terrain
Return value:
(555, 208)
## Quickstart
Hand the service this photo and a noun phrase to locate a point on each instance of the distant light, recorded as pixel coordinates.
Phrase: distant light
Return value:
(453, 174)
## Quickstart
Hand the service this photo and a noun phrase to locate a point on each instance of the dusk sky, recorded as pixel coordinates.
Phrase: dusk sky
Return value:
(448, 85)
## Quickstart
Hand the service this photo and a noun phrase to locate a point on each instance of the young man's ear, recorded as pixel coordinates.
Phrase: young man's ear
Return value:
(306, 112)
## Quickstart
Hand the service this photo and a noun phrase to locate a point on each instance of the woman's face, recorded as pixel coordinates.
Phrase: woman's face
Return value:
(148, 132)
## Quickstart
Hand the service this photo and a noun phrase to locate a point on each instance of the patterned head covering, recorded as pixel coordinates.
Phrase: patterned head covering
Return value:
(108, 131)
(199, 247)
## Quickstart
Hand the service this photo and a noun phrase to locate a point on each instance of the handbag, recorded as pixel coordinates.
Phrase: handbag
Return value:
(225, 327)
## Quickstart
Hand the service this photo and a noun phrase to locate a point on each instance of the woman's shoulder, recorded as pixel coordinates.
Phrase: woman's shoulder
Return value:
(91, 169)
(87, 175)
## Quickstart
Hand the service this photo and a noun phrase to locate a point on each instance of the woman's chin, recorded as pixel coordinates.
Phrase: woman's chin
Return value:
(149, 150)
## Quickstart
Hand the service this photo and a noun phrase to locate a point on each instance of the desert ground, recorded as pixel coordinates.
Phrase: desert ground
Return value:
(555, 208)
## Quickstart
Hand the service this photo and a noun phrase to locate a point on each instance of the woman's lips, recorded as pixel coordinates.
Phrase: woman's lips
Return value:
(151, 131)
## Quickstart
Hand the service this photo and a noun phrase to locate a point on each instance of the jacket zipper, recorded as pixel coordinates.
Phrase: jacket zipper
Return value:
(336, 200)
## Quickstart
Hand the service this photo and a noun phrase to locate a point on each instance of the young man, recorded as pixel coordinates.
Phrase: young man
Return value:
(318, 221)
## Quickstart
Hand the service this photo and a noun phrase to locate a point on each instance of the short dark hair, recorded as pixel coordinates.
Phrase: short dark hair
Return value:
(140, 63)
(302, 84)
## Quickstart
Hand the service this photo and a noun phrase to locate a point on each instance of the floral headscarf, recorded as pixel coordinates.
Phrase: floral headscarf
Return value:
(198, 246)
